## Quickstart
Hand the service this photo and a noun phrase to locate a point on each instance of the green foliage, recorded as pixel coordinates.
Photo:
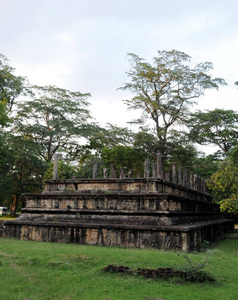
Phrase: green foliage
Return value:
(205, 166)
(11, 86)
(224, 183)
(230, 205)
(195, 270)
(4, 119)
(86, 167)
(179, 150)
(146, 142)
(110, 136)
(65, 170)
(6, 167)
(57, 118)
(124, 156)
(164, 91)
(27, 173)
(21, 169)
(218, 127)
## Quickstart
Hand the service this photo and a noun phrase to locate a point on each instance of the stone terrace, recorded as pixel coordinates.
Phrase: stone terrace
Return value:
(148, 212)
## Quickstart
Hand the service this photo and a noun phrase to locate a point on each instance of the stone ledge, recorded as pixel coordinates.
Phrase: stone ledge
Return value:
(170, 228)
(115, 211)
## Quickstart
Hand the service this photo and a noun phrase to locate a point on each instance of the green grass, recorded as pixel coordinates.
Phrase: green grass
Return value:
(5, 218)
(32, 270)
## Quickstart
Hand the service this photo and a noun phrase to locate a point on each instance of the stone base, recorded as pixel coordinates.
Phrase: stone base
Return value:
(182, 237)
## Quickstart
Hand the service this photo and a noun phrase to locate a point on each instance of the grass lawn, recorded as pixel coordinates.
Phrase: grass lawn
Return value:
(6, 218)
(32, 270)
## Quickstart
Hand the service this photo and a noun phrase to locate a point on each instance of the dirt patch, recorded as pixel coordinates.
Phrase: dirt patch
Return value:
(160, 273)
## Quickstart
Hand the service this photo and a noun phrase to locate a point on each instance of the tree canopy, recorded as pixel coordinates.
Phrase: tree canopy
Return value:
(224, 183)
(53, 119)
(11, 86)
(164, 90)
(218, 127)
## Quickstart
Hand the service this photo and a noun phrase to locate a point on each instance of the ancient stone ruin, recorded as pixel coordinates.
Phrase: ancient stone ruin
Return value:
(163, 211)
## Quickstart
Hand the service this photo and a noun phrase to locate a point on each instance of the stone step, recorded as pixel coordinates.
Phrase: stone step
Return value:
(184, 237)
(140, 202)
(115, 218)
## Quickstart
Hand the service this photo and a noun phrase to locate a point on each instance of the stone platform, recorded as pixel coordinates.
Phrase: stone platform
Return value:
(127, 212)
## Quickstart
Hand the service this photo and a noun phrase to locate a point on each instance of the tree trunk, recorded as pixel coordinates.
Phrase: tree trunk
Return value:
(14, 205)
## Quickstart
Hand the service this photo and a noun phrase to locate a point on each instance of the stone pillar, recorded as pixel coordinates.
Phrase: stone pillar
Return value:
(159, 166)
(167, 175)
(195, 182)
(104, 173)
(199, 184)
(95, 168)
(147, 168)
(204, 186)
(174, 175)
(129, 174)
(191, 181)
(112, 171)
(56, 165)
(122, 175)
(185, 178)
(154, 173)
(180, 181)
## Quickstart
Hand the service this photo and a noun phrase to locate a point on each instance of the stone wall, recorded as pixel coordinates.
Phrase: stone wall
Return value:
(159, 237)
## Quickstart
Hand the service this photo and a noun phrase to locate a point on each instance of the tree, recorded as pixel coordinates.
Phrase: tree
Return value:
(205, 166)
(11, 86)
(6, 166)
(109, 136)
(28, 170)
(224, 183)
(164, 90)
(21, 170)
(218, 127)
(54, 119)
(91, 153)
(85, 169)
(3, 114)
(145, 141)
(125, 157)
(65, 170)
(179, 149)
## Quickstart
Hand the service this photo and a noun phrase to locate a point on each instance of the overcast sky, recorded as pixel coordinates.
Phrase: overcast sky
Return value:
(81, 45)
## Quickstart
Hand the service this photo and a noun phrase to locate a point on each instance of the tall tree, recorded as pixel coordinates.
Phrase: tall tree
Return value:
(28, 169)
(11, 86)
(4, 119)
(164, 90)
(126, 157)
(218, 127)
(6, 167)
(224, 183)
(54, 119)
(109, 136)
